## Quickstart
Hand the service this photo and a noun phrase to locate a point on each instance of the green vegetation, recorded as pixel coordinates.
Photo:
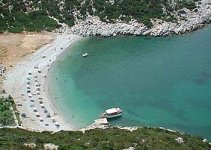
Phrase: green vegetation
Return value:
(35, 15)
(6, 114)
(112, 139)
(189, 4)
(34, 21)
(17, 114)
(139, 10)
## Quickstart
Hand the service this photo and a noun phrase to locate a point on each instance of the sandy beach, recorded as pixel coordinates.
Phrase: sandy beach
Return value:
(13, 47)
(27, 83)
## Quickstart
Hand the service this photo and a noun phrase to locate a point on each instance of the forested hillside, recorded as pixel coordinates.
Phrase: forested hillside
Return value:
(38, 15)
(109, 139)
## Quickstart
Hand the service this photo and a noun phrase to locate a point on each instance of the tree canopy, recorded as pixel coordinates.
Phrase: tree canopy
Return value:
(35, 15)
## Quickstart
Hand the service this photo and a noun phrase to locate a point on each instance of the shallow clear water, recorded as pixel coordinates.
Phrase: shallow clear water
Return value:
(156, 81)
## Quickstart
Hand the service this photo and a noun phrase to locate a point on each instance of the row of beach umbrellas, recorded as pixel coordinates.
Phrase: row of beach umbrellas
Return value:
(30, 95)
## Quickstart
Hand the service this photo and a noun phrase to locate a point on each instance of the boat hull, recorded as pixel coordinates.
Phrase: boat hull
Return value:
(111, 116)
(85, 54)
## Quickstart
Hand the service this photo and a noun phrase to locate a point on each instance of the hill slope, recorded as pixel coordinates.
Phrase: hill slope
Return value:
(114, 138)
(34, 15)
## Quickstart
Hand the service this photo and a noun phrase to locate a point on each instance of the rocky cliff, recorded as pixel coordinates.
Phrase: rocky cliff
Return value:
(187, 20)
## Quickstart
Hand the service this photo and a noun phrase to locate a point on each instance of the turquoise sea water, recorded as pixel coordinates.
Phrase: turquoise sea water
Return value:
(156, 81)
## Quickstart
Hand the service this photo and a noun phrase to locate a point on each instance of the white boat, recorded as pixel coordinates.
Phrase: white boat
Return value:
(85, 54)
(112, 113)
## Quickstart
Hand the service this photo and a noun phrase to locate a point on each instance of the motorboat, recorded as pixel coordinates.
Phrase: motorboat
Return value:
(85, 54)
(112, 113)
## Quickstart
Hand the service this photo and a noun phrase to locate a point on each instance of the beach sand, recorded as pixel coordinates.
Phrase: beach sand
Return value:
(27, 83)
(13, 47)
(1, 84)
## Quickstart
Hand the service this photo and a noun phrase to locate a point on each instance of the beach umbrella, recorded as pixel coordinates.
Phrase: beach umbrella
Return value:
(57, 124)
(53, 119)
(37, 92)
(48, 115)
(37, 84)
(41, 119)
(32, 105)
(45, 111)
(28, 78)
(37, 114)
(28, 91)
(34, 109)
(42, 105)
(23, 115)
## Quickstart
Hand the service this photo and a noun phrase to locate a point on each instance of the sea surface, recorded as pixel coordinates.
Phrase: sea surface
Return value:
(156, 81)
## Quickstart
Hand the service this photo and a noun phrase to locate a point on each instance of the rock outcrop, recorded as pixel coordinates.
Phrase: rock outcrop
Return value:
(30, 145)
(186, 21)
(50, 146)
(179, 140)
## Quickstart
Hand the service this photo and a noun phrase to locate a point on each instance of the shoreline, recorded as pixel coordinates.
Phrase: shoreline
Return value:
(53, 100)
(31, 74)
(187, 21)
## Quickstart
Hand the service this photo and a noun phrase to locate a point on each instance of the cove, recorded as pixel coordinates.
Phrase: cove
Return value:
(156, 81)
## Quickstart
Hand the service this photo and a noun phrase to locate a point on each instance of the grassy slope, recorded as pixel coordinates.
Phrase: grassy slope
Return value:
(143, 138)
